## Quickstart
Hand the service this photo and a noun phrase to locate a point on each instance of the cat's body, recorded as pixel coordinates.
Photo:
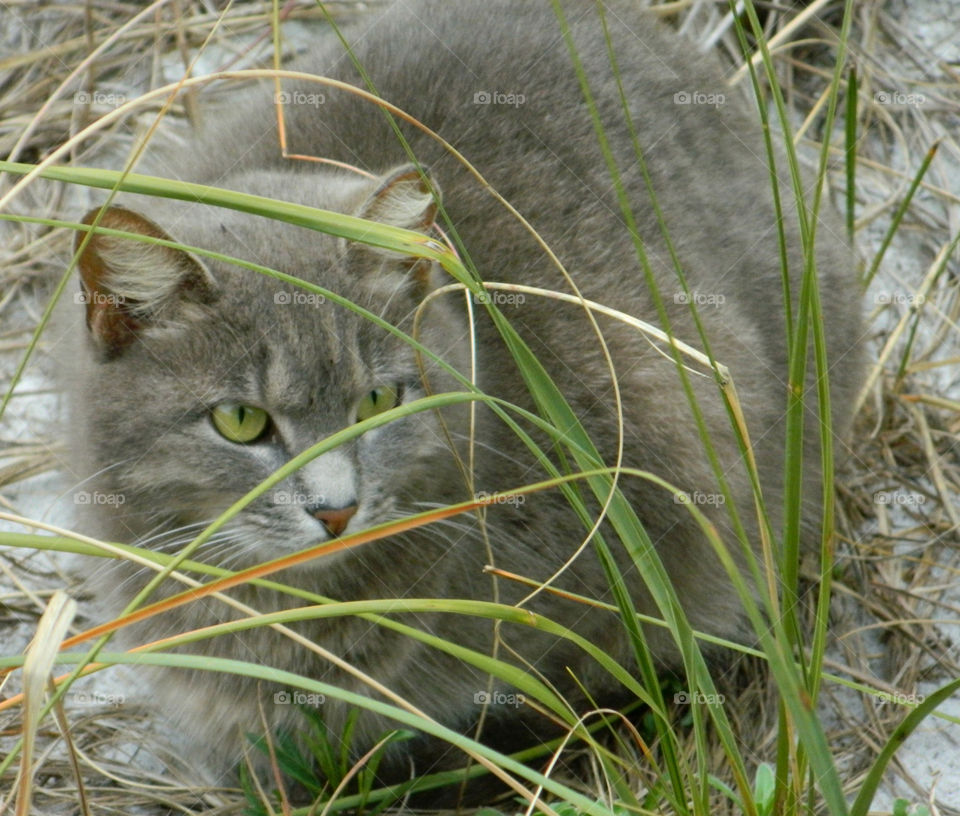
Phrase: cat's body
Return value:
(197, 337)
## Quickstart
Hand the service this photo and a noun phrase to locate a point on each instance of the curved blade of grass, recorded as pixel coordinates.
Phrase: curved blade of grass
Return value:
(349, 227)
(861, 804)
(404, 718)
(346, 226)
(37, 664)
(377, 608)
(286, 562)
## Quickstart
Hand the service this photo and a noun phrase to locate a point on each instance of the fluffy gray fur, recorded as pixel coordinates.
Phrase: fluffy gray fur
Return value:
(141, 409)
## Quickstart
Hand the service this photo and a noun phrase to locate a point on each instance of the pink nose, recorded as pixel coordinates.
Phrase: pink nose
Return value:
(336, 520)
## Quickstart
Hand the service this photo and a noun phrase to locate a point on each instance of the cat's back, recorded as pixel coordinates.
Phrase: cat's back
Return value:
(504, 84)
(561, 114)
(555, 112)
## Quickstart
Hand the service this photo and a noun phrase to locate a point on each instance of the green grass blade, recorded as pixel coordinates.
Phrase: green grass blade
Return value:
(349, 227)
(899, 213)
(874, 777)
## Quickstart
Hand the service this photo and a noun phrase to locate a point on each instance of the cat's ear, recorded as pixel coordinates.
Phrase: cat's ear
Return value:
(404, 197)
(129, 286)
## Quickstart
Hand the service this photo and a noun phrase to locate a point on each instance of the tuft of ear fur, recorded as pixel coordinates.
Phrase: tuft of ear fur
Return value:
(127, 284)
(403, 199)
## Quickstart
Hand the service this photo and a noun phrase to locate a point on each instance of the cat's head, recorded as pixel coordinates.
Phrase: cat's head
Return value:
(200, 379)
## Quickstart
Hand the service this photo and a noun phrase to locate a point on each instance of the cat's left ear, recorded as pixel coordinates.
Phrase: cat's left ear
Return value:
(405, 197)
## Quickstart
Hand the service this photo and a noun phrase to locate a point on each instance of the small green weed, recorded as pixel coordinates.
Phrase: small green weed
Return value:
(321, 764)
(902, 807)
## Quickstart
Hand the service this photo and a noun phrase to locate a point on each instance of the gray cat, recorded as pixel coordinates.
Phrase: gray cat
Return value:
(197, 380)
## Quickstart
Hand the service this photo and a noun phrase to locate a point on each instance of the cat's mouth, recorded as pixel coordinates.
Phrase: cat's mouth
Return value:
(265, 530)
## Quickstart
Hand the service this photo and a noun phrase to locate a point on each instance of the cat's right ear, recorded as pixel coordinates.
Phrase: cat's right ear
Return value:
(128, 285)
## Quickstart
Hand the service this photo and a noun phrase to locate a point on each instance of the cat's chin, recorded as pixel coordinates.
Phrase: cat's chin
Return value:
(319, 553)
(254, 539)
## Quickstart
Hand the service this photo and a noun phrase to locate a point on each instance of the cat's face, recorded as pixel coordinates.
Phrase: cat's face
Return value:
(202, 380)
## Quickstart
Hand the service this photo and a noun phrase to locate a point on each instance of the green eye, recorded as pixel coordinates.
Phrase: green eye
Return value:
(377, 401)
(239, 423)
